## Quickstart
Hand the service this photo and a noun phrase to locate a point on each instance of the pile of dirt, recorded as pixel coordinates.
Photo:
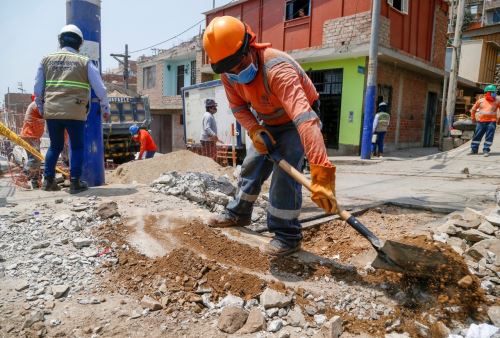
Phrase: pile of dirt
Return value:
(146, 171)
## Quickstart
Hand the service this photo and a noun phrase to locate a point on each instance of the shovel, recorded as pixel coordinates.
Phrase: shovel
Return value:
(391, 255)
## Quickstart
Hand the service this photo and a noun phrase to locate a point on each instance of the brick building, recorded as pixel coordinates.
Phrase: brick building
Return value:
(331, 42)
(161, 78)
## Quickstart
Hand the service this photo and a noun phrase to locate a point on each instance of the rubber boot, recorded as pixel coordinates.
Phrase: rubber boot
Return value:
(49, 184)
(76, 185)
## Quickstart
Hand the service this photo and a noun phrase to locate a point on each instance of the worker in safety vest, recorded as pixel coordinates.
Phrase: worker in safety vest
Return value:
(282, 95)
(62, 90)
(380, 126)
(32, 132)
(485, 112)
(148, 146)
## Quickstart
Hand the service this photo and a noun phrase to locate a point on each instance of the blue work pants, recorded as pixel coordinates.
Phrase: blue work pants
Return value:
(483, 128)
(76, 130)
(285, 194)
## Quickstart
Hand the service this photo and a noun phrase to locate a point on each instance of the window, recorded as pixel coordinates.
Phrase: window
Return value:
(296, 9)
(193, 72)
(180, 78)
(149, 77)
(400, 5)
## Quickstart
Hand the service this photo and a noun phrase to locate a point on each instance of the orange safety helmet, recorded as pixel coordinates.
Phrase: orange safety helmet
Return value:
(226, 41)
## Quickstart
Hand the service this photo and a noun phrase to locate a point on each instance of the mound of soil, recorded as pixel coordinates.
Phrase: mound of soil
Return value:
(146, 171)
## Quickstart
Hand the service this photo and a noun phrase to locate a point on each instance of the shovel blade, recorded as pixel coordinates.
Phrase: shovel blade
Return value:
(404, 258)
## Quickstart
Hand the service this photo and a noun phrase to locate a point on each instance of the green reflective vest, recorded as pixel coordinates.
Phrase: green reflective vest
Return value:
(67, 88)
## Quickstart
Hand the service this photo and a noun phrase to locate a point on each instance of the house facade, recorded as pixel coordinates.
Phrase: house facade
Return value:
(160, 78)
(330, 39)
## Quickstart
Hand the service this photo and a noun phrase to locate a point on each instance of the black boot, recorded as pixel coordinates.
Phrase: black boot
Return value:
(49, 184)
(76, 186)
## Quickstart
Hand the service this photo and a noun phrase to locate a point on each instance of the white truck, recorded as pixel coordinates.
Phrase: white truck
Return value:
(193, 103)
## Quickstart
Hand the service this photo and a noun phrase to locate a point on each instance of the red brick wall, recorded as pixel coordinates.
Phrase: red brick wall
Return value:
(440, 37)
(414, 100)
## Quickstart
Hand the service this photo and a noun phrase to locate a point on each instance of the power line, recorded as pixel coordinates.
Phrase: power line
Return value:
(169, 39)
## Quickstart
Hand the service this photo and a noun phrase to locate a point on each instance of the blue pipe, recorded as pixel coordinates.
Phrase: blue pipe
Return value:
(366, 141)
(86, 15)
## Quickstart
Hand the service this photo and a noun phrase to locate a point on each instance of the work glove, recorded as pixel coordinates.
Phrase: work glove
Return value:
(258, 141)
(323, 187)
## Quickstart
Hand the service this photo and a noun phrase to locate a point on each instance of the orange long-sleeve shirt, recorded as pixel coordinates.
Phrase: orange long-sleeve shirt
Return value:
(290, 89)
(146, 141)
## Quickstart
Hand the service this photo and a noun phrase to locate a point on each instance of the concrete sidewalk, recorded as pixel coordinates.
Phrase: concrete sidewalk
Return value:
(444, 181)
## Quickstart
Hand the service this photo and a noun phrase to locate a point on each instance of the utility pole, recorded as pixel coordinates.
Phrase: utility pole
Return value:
(371, 84)
(124, 63)
(455, 60)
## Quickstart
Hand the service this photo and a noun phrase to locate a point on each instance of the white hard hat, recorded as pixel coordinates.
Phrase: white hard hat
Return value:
(71, 29)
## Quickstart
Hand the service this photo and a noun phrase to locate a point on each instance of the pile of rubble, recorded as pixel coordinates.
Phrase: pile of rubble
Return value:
(204, 189)
(54, 256)
(476, 237)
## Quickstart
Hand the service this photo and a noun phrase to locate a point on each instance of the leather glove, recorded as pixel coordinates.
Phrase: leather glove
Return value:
(257, 140)
(323, 187)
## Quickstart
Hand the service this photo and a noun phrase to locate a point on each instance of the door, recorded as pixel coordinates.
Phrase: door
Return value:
(430, 119)
(161, 131)
(328, 83)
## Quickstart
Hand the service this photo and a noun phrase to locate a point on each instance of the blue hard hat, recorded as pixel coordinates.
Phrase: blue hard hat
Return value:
(134, 129)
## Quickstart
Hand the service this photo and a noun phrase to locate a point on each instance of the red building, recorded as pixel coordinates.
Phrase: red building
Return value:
(330, 38)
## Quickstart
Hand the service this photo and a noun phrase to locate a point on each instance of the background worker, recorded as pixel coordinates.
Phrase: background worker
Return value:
(148, 146)
(32, 132)
(380, 125)
(485, 112)
(62, 90)
(277, 88)
(209, 136)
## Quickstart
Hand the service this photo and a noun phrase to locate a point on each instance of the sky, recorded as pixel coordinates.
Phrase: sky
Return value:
(29, 29)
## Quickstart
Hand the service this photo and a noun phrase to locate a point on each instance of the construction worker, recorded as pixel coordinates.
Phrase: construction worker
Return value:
(62, 90)
(209, 136)
(282, 95)
(32, 132)
(380, 125)
(148, 146)
(485, 112)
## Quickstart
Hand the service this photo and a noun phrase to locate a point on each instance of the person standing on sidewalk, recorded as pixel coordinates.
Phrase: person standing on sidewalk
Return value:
(485, 112)
(62, 90)
(380, 126)
(209, 136)
(32, 132)
(282, 95)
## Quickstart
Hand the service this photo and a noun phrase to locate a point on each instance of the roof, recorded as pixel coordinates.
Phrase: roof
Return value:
(229, 5)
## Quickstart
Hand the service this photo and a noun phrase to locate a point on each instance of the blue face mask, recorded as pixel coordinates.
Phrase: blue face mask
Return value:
(245, 76)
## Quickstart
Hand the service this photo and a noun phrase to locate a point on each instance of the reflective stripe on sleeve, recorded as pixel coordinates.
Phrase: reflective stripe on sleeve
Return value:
(306, 116)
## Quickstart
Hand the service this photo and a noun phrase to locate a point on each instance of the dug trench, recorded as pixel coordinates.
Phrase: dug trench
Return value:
(197, 261)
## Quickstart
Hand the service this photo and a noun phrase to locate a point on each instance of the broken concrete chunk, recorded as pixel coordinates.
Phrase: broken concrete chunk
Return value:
(232, 319)
(494, 314)
(255, 322)
(151, 304)
(480, 250)
(272, 298)
(296, 317)
(108, 210)
(59, 291)
(34, 317)
(332, 328)
(487, 228)
(275, 325)
(467, 224)
(82, 242)
(472, 235)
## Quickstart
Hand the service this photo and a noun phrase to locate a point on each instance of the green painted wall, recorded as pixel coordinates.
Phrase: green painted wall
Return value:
(352, 95)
